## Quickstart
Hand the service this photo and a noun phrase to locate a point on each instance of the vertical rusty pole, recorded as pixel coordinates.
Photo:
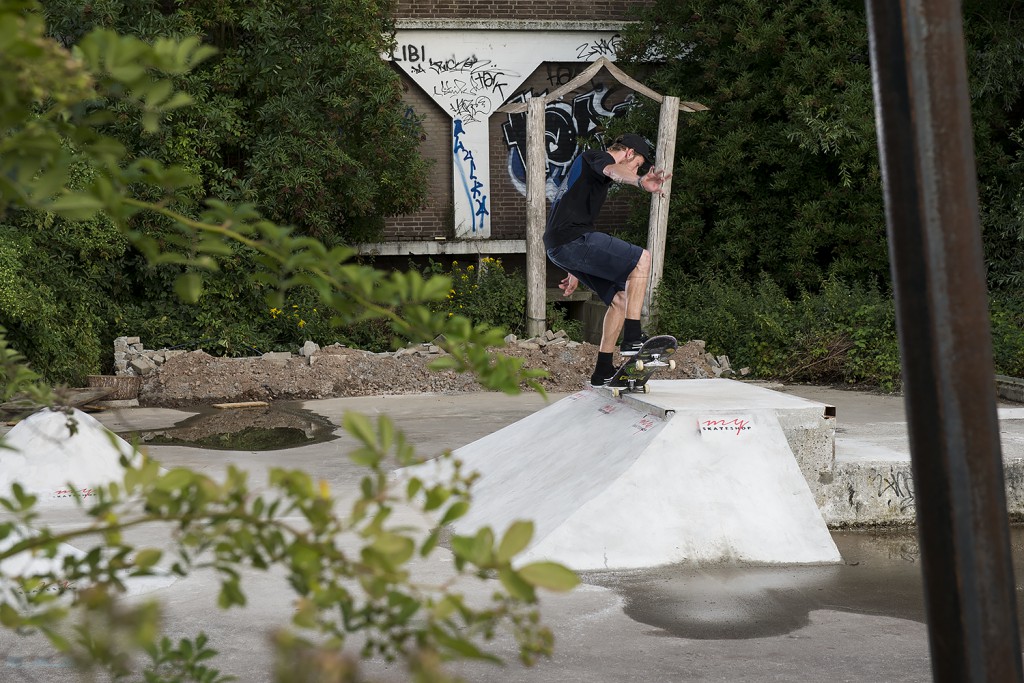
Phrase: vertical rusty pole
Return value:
(931, 201)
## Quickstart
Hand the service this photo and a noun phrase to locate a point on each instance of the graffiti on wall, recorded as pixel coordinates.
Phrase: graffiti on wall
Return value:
(470, 73)
(468, 86)
(598, 47)
(565, 123)
(465, 167)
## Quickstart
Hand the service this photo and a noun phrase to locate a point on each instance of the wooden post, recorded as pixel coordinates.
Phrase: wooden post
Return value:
(657, 227)
(536, 199)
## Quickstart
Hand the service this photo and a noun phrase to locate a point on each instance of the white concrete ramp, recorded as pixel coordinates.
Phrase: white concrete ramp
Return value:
(50, 449)
(649, 480)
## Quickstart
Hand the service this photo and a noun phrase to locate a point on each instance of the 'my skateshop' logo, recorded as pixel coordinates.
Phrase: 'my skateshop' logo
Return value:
(736, 425)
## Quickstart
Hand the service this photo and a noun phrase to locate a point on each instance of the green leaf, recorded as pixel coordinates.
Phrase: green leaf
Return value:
(189, 287)
(76, 206)
(176, 479)
(364, 457)
(456, 510)
(144, 559)
(515, 540)
(444, 363)
(549, 575)
(9, 616)
(359, 426)
(516, 586)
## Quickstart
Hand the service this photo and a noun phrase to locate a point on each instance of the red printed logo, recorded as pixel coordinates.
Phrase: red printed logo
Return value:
(736, 425)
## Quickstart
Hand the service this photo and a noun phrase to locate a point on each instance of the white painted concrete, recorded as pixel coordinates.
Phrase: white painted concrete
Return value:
(27, 564)
(44, 456)
(704, 474)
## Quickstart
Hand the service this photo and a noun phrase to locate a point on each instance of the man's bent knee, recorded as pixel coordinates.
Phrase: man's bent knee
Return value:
(644, 263)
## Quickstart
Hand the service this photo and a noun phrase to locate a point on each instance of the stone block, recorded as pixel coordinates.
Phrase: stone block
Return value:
(132, 340)
(277, 357)
(142, 365)
(309, 348)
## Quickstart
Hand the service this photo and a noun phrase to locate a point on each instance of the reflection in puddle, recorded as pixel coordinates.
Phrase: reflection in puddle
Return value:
(270, 428)
(881, 575)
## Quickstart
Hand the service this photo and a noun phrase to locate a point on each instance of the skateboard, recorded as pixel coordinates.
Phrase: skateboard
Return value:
(654, 355)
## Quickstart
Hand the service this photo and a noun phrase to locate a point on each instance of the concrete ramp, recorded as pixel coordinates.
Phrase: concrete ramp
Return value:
(50, 449)
(649, 480)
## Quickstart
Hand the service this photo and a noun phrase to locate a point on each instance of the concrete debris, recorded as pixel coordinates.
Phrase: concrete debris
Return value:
(187, 377)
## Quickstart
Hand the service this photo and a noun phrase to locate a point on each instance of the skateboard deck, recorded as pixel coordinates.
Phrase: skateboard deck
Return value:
(654, 355)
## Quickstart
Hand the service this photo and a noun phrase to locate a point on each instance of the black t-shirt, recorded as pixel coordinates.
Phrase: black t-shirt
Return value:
(579, 200)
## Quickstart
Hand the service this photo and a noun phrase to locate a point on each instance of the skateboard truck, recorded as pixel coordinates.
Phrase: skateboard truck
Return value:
(632, 375)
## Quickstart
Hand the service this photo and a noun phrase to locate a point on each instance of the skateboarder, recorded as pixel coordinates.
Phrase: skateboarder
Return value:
(615, 270)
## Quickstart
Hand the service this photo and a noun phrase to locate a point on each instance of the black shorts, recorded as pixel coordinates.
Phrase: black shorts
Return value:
(599, 261)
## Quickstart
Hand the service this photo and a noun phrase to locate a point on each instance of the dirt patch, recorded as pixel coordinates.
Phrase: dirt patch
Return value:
(198, 377)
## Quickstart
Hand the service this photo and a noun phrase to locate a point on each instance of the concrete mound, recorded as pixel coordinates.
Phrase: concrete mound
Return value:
(50, 449)
(698, 471)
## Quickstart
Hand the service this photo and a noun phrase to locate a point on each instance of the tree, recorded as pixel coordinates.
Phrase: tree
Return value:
(781, 177)
(296, 113)
(994, 32)
(54, 107)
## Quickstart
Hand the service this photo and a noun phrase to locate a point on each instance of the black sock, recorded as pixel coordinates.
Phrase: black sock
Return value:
(604, 362)
(631, 330)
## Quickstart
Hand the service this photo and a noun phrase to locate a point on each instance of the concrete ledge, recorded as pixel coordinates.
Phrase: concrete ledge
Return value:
(508, 25)
(480, 247)
(1010, 388)
(882, 493)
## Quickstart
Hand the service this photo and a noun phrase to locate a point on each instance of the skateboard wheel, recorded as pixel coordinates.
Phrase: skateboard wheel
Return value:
(647, 388)
(639, 366)
(672, 364)
(616, 392)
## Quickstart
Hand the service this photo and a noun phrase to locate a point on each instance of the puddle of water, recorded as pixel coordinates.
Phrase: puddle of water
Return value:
(270, 428)
(881, 575)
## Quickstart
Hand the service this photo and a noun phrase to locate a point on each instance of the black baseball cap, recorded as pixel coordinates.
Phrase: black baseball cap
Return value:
(641, 146)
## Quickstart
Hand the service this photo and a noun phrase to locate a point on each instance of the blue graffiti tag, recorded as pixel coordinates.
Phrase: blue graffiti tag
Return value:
(564, 124)
(473, 192)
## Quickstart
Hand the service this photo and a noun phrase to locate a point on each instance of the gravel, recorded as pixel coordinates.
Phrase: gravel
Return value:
(197, 377)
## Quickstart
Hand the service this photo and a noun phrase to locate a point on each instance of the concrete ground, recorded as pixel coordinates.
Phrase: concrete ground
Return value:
(859, 621)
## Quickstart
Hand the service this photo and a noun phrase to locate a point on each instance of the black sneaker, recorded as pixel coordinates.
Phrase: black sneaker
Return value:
(601, 377)
(631, 347)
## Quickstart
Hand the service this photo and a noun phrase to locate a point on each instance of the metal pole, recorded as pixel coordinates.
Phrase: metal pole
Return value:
(536, 197)
(931, 200)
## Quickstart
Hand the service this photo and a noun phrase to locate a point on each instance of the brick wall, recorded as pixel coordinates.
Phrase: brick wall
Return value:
(507, 205)
(576, 10)
(435, 220)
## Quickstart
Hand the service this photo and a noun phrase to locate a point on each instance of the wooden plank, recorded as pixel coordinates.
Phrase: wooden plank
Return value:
(243, 404)
(581, 78)
(536, 199)
(658, 225)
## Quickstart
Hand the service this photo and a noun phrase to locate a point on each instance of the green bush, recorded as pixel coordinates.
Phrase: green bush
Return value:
(1007, 312)
(493, 296)
(842, 334)
(781, 176)
(296, 114)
